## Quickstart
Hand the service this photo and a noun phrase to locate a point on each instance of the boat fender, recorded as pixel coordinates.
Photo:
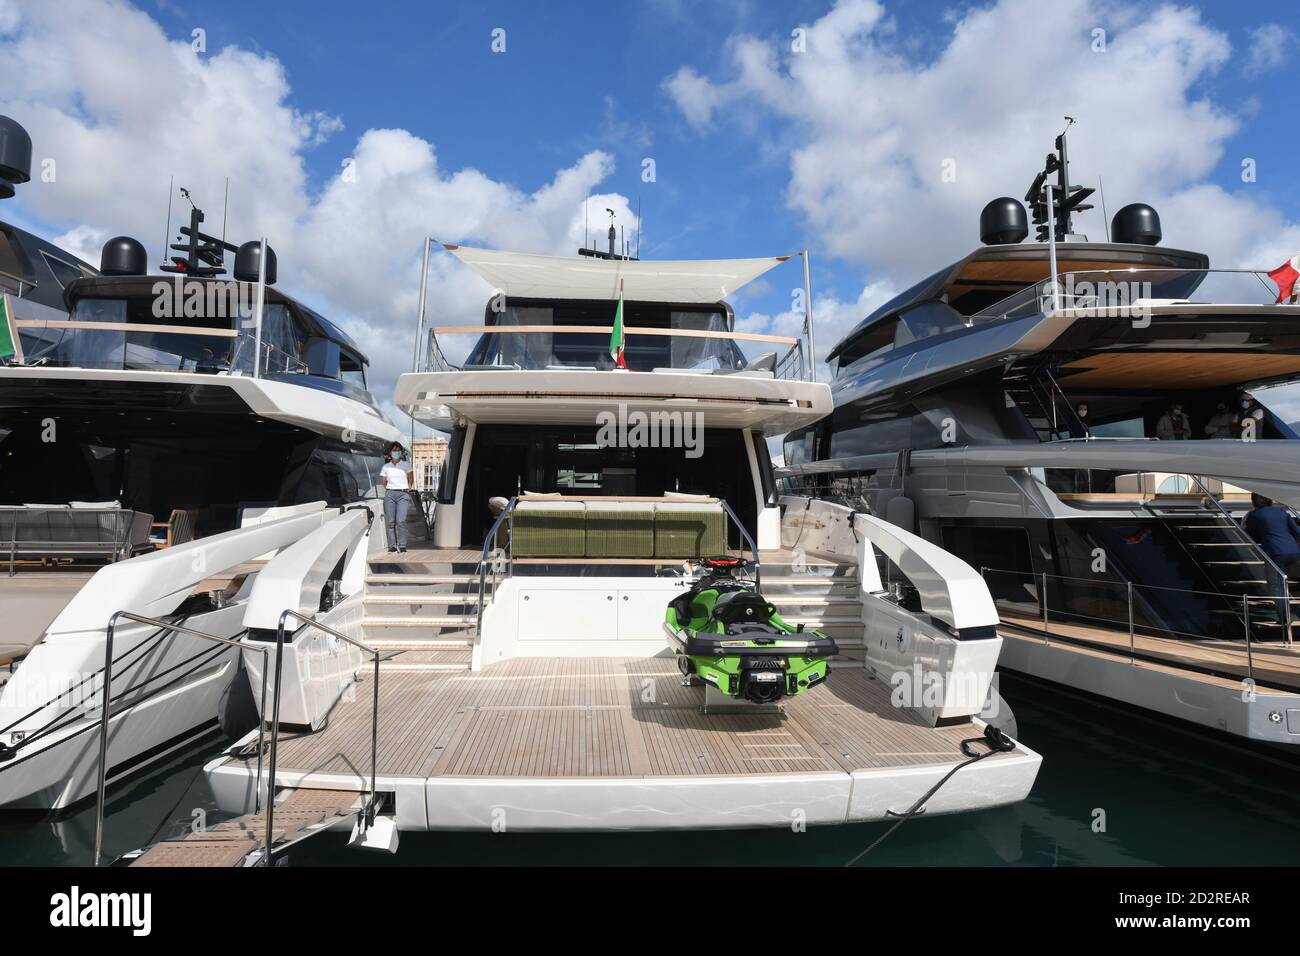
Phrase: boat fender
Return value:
(901, 513)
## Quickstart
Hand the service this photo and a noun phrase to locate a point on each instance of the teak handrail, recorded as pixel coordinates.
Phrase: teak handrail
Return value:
(605, 330)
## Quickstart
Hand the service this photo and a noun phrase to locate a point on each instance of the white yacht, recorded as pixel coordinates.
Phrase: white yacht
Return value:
(517, 673)
(161, 437)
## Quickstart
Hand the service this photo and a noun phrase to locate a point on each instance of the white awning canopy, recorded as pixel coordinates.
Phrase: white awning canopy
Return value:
(557, 277)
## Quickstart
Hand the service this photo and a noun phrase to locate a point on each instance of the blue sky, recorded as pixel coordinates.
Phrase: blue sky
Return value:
(757, 150)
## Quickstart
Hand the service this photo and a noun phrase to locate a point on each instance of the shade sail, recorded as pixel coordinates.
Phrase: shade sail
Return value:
(557, 277)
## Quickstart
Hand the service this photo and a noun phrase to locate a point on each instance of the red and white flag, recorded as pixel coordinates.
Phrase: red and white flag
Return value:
(1285, 276)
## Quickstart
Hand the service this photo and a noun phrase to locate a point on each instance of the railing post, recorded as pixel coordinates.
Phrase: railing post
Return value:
(103, 736)
(1286, 607)
(261, 729)
(1046, 631)
(1245, 622)
(1131, 641)
(275, 734)
(374, 749)
(1250, 663)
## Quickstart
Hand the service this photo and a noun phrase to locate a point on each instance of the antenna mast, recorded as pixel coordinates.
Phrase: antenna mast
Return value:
(1052, 209)
(167, 236)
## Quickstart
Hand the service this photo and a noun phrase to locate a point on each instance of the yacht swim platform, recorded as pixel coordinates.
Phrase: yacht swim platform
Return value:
(620, 743)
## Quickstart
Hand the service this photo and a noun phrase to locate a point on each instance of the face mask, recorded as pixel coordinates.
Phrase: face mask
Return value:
(394, 454)
(1245, 404)
(1083, 413)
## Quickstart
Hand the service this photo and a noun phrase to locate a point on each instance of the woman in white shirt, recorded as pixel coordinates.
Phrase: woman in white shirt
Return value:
(396, 475)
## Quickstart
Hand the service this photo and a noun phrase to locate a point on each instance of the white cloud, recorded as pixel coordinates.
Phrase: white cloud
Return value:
(120, 109)
(874, 128)
(1269, 46)
(832, 320)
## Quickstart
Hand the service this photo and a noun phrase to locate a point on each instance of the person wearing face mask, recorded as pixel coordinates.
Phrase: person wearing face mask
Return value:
(1081, 413)
(396, 476)
(1173, 424)
(1250, 423)
(1222, 424)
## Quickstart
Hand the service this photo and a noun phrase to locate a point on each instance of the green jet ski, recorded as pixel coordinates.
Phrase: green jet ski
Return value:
(726, 633)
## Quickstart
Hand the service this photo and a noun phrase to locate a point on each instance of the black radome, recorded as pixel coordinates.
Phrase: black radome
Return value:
(248, 260)
(123, 256)
(1136, 223)
(1003, 222)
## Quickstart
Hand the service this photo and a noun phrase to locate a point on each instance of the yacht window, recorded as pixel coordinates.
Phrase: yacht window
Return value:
(1127, 428)
(542, 349)
(707, 353)
(282, 340)
(64, 272)
(451, 467)
(351, 370)
(117, 348)
(931, 318)
(13, 265)
(874, 340)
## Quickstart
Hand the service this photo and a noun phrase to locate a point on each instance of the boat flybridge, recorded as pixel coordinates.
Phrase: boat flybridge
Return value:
(1020, 408)
(162, 440)
(528, 671)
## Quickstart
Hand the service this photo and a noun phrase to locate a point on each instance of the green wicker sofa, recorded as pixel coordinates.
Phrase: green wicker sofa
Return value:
(641, 528)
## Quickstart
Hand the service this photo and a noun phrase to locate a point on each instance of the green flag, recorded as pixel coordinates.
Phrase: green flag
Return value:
(616, 336)
(8, 334)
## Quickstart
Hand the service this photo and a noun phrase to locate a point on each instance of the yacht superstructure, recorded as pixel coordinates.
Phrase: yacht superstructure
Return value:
(1083, 422)
(522, 676)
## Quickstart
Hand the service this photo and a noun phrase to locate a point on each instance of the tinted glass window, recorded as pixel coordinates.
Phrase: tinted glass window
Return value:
(63, 271)
(351, 370)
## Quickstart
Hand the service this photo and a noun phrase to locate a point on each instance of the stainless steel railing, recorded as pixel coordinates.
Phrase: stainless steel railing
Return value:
(483, 563)
(1126, 594)
(102, 783)
(1248, 541)
(106, 704)
(368, 814)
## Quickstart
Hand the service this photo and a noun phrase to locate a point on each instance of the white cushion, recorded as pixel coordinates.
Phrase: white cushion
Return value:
(101, 505)
(683, 496)
(551, 506)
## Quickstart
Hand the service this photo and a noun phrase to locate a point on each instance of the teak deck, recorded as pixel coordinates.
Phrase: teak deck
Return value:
(1271, 663)
(609, 717)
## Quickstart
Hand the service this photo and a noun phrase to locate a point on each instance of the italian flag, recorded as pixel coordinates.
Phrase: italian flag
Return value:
(8, 331)
(616, 335)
